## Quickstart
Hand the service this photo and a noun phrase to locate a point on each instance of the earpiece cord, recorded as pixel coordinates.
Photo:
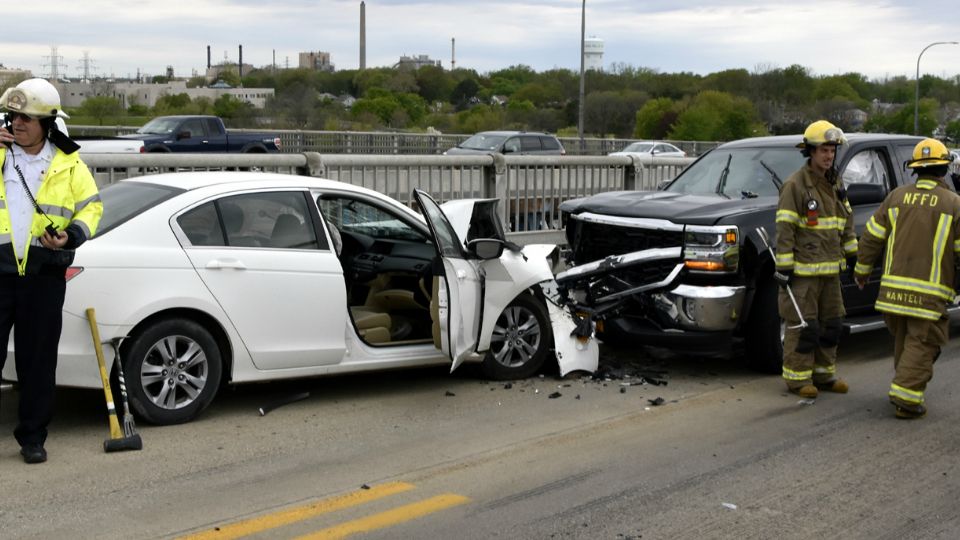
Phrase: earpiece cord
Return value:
(26, 188)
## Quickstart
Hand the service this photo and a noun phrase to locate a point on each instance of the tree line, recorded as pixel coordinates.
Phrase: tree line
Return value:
(625, 102)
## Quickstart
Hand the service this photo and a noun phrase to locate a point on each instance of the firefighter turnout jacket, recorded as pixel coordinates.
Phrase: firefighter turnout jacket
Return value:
(814, 226)
(68, 196)
(919, 225)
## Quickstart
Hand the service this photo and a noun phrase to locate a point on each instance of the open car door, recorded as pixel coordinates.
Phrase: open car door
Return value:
(458, 292)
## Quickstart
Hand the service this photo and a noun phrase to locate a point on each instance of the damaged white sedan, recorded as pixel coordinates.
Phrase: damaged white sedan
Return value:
(236, 277)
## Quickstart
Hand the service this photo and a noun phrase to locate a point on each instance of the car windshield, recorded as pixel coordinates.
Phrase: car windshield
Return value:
(159, 126)
(483, 141)
(125, 200)
(639, 147)
(739, 172)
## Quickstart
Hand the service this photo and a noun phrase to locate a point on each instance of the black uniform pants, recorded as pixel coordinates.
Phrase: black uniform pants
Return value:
(32, 305)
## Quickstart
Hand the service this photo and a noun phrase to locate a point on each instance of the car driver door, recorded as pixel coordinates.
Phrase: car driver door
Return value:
(459, 291)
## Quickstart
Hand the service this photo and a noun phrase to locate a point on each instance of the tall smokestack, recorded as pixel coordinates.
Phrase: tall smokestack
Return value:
(240, 65)
(208, 57)
(363, 35)
(453, 54)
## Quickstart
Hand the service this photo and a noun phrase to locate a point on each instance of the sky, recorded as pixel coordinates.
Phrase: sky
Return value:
(879, 39)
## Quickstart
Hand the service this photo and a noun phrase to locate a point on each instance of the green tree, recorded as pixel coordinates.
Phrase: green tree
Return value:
(655, 119)
(717, 116)
(101, 108)
(238, 111)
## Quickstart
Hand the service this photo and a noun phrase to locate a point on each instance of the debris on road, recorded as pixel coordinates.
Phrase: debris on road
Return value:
(555, 395)
(656, 402)
(731, 506)
(449, 394)
(283, 401)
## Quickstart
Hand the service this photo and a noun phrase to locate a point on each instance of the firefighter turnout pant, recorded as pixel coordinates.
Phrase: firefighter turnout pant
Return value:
(32, 305)
(916, 346)
(810, 354)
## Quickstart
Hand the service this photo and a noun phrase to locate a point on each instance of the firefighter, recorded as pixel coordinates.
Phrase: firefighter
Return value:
(919, 225)
(49, 206)
(815, 240)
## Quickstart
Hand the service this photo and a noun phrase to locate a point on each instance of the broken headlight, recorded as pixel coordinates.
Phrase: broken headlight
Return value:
(711, 248)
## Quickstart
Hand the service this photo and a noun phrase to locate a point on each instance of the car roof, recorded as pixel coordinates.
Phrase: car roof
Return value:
(793, 140)
(203, 179)
(512, 133)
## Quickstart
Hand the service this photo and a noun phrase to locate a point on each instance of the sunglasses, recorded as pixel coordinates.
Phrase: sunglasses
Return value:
(23, 117)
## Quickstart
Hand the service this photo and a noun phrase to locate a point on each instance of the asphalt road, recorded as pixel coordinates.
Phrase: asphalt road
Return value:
(423, 454)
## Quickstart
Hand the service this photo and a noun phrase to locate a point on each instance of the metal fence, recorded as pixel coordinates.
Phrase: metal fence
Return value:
(531, 187)
(383, 142)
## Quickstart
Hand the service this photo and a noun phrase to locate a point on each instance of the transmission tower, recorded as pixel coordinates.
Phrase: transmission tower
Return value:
(87, 66)
(53, 64)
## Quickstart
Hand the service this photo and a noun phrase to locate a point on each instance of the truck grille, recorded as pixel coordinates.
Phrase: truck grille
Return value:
(597, 240)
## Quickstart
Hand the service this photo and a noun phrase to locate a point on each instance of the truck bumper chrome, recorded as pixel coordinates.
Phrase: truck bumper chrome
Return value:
(693, 307)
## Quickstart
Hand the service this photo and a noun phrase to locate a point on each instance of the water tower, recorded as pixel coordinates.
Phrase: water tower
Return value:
(593, 53)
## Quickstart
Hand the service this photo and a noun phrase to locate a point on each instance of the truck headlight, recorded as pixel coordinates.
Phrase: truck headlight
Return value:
(711, 248)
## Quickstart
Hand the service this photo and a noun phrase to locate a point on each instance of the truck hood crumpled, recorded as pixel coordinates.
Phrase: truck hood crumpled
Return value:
(675, 207)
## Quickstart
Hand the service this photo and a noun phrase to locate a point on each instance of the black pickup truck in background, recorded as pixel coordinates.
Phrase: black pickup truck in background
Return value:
(188, 133)
(685, 268)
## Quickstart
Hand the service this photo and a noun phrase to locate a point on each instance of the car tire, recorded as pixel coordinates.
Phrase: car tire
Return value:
(521, 340)
(173, 371)
(764, 335)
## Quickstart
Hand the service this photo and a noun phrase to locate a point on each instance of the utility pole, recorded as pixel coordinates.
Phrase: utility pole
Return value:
(916, 100)
(583, 29)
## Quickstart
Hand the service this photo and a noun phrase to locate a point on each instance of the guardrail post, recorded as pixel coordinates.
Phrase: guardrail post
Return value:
(632, 173)
(495, 184)
(314, 166)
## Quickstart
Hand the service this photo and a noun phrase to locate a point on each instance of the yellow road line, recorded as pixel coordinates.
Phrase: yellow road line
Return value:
(300, 513)
(395, 516)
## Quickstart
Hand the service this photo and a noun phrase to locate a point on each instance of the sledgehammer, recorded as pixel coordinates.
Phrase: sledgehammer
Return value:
(119, 440)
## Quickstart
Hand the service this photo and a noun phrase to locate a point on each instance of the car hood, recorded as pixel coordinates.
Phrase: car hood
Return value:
(675, 207)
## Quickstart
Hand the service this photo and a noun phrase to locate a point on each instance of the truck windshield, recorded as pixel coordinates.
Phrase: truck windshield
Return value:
(159, 126)
(742, 172)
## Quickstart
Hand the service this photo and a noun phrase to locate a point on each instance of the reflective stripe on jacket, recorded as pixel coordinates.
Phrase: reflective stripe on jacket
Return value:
(920, 227)
(808, 244)
(69, 197)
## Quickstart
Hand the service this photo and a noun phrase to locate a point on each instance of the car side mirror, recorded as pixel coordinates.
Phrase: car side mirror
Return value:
(859, 194)
(183, 135)
(486, 248)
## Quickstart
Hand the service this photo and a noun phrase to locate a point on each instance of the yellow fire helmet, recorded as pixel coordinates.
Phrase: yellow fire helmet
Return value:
(928, 153)
(34, 97)
(822, 132)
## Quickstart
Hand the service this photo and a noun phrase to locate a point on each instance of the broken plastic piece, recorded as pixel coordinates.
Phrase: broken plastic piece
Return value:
(731, 506)
(283, 401)
(555, 395)
(449, 393)
(656, 402)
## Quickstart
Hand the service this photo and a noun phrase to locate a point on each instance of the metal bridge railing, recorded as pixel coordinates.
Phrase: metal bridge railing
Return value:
(531, 187)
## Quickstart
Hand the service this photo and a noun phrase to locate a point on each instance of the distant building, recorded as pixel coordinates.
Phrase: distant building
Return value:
(130, 93)
(215, 72)
(593, 53)
(416, 62)
(317, 61)
(12, 75)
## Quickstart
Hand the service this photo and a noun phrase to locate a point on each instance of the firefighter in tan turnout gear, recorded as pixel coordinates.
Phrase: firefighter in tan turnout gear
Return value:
(919, 225)
(815, 239)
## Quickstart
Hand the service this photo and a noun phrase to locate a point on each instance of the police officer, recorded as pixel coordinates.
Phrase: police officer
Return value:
(49, 206)
(814, 240)
(919, 225)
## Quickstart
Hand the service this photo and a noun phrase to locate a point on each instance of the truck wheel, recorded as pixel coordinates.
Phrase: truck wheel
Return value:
(764, 335)
(522, 337)
(172, 371)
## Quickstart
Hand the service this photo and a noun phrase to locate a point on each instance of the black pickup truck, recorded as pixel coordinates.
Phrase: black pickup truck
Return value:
(685, 267)
(186, 133)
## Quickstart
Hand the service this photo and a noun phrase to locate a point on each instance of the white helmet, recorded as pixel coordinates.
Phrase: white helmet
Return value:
(36, 97)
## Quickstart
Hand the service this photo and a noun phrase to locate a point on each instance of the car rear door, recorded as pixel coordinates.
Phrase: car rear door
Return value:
(263, 257)
(459, 291)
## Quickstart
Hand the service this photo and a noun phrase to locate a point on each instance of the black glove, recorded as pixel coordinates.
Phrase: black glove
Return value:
(783, 277)
(851, 265)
